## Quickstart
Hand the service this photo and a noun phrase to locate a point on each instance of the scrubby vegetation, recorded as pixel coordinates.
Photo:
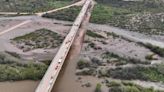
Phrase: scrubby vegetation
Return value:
(155, 49)
(93, 34)
(69, 14)
(150, 57)
(142, 16)
(42, 38)
(31, 5)
(107, 13)
(118, 60)
(135, 16)
(11, 70)
(152, 73)
(85, 67)
(22, 72)
(113, 58)
(136, 5)
(82, 64)
(128, 87)
(98, 88)
(13, 54)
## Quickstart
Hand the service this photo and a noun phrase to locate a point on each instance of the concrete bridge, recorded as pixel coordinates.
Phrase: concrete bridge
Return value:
(52, 73)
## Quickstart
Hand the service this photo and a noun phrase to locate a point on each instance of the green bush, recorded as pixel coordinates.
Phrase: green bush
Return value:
(113, 84)
(93, 34)
(130, 87)
(69, 14)
(98, 88)
(28, 72)
(31, 5)
(155, 49)
(82, 64)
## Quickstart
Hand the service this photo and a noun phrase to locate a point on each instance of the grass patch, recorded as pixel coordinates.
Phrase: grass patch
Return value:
(98, 88)
(11, 70)
(31, 5)
(24, 72)
(136, 6)
(69, 14)
(129, 87)
(93, 34)
(107, 13)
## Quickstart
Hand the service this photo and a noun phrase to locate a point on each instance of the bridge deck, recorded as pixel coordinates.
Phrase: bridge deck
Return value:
(51, 74)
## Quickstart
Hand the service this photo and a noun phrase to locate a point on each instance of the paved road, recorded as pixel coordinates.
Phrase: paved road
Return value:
(50, 77)
(14, 27)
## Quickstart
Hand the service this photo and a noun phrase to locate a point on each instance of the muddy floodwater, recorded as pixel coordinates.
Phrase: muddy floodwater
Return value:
(19, 86)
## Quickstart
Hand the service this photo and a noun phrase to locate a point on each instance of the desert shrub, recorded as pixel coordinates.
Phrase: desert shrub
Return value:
(69, 14)
(130, 87)
(93, 34)
(98, 88)
(155, 49)
(153, 73)
(28, 72)
(83, 64)
(86, 71)
(31, 6)
(113, 84)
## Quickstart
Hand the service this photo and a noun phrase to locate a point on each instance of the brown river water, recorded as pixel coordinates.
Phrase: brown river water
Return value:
(19, 86)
